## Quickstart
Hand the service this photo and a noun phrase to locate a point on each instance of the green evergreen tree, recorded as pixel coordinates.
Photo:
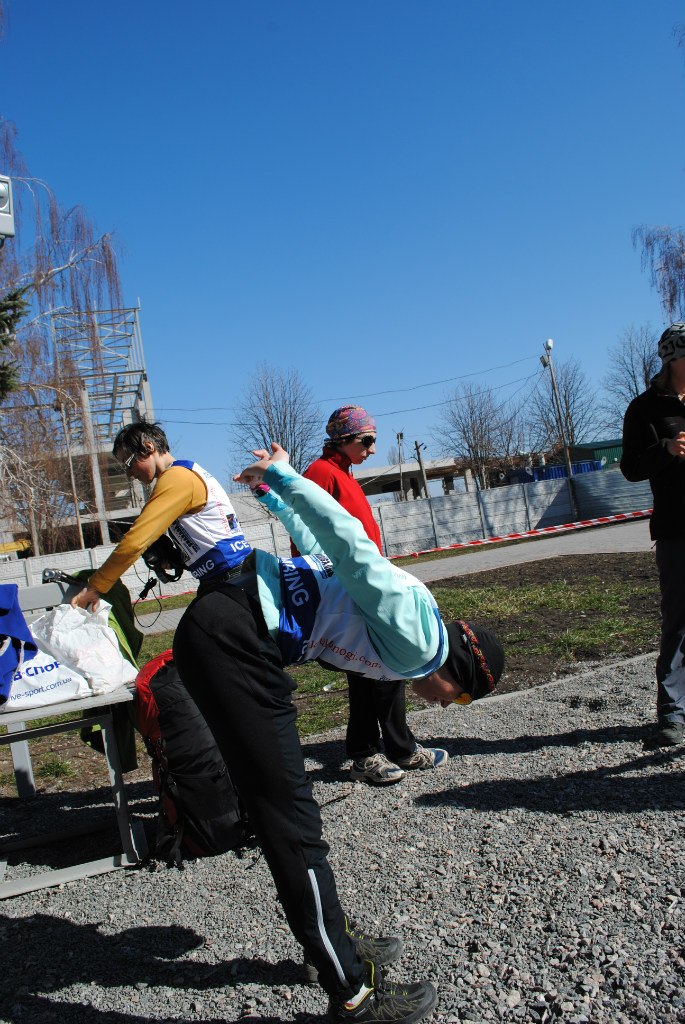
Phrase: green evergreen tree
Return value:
(12, 308)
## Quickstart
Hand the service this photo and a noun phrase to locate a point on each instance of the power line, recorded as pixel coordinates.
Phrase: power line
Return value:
(378, 415)
(446, 380)
(448, 401)
(371, 394)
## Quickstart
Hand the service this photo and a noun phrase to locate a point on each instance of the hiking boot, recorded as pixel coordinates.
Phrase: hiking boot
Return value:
(668, 734)
(385, 1002)
(376, 769)
(382, 950)
(424, 757)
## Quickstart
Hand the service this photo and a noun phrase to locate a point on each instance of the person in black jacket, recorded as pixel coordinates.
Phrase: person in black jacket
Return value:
(654, 450)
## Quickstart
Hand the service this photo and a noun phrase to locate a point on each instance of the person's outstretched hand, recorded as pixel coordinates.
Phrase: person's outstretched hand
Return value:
(254, 474)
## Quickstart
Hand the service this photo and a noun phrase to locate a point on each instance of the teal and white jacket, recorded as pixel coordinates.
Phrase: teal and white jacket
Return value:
(341, 601)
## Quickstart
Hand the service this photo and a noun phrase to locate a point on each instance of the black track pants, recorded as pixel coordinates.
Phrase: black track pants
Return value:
(670, 666)
(233, 670)
(377, 708)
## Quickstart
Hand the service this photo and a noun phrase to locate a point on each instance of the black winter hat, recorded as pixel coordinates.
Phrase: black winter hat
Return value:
(475, 659)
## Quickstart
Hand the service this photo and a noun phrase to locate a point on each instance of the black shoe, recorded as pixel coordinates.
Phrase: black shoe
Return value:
(382, 950)
(669, 734)
(387, 1002)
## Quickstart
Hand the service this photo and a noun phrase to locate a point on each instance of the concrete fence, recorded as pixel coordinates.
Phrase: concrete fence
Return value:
(405, 527)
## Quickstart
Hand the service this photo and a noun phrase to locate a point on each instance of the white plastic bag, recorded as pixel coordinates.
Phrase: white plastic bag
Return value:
(85, 642)
(43, 680)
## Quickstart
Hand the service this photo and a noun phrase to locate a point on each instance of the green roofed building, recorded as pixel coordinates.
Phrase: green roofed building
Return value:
(608, 452)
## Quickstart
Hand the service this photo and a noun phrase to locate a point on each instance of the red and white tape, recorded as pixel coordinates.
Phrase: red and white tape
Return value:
(545, 531)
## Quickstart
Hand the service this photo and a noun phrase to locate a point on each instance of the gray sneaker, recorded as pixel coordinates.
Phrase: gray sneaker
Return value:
(376, 769)
(424, 757)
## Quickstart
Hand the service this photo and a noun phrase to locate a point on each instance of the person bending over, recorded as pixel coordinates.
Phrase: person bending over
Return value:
(347, 606)
(233, 669)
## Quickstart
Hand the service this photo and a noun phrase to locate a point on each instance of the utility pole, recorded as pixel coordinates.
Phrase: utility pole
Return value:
(77, 512)
(92, 452)
(35, 538)
(426, 495)
(546, 361)
(418, 447)
(400, 439)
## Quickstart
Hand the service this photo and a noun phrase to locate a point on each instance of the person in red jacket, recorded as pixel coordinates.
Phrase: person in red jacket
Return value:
(377, 708)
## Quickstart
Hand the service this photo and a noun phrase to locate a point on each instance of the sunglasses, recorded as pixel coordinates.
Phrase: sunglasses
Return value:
(368, 440)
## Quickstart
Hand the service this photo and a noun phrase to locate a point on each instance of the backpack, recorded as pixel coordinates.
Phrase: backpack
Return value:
(200, 814)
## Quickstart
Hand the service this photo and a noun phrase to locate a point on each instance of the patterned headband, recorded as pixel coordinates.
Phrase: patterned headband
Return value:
(481, 660)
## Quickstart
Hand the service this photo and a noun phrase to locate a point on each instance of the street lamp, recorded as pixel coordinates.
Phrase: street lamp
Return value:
(6, 209)
(546, 361)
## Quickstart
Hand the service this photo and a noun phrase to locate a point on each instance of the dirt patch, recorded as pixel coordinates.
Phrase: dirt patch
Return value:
(634, 573)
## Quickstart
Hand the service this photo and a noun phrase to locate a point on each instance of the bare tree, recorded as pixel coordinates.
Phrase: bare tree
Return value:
(663, 249)
(470, 427)
(663, 252)
(510, 436)
(633, 361)
(277, 405)
(55, 260)
(43, 487)
(580, 414)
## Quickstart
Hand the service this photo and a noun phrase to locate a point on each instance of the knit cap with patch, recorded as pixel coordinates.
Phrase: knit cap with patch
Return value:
(672, 343)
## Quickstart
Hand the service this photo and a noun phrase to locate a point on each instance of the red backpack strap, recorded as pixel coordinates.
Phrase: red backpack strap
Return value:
(147, 713)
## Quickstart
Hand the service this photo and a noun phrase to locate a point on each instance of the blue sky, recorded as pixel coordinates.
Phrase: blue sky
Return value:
(381, 194)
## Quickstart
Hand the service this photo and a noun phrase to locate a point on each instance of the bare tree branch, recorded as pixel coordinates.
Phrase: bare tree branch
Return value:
(633, 361)
(277, 405)
(486, 433)
(56, 259)
(581, 415)
(663, 252)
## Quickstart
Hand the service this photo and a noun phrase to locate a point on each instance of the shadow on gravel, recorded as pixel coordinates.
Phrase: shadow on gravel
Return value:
(44, 1011)
(55, 812)
(602, 789)
(469, 746)
(44, 953)
(74, 804)
(330, 754)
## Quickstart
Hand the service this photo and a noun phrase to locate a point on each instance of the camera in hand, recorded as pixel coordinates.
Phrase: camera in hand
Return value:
(165, 559)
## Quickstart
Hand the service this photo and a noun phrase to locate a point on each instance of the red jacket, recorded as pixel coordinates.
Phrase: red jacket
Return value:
(333, 472)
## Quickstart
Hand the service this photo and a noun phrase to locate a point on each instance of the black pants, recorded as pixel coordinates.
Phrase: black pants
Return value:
(377, 709)
(233, 670)
(670, 666)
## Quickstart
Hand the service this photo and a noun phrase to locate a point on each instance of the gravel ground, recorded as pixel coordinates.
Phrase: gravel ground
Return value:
(536, 877)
